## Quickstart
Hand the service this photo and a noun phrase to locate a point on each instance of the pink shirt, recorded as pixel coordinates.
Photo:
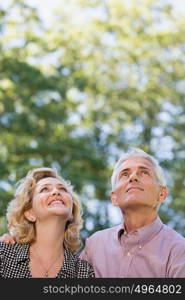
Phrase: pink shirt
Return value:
(154, 251)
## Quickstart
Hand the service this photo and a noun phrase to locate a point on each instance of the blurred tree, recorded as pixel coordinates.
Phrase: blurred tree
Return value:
(105, 76)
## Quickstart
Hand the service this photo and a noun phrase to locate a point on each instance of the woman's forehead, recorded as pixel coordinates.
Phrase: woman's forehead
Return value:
(49, 180)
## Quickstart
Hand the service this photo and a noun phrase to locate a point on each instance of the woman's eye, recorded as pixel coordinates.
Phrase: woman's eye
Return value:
(145, 172)
(44, 189)
(63, 189)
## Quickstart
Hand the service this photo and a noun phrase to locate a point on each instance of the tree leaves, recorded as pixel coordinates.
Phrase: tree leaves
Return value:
(74, 95)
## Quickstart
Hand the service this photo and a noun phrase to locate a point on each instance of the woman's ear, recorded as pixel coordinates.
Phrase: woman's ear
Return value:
(114, 198)
(30, 216)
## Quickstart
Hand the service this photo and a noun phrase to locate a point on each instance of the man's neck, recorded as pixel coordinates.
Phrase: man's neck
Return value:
(133, 220)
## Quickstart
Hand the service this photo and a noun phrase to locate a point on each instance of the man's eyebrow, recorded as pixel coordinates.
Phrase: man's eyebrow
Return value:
(143, 167)
(123, 170)
(139, 167)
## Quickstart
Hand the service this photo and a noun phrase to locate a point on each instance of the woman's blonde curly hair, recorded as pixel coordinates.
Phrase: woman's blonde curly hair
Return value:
(24, 230)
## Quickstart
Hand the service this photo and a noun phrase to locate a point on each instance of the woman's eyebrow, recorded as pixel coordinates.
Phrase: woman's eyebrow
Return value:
(49, 184)
(45, 184)
(61, 185)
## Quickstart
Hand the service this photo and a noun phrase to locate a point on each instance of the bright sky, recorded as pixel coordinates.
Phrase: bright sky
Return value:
(47, 6)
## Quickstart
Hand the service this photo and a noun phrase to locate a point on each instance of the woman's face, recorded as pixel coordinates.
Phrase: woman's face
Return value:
(50, 198)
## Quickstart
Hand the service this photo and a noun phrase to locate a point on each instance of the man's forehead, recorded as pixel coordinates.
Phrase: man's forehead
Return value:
(136, 162)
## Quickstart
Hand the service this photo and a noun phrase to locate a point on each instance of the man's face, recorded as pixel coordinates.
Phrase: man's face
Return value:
(137, 185)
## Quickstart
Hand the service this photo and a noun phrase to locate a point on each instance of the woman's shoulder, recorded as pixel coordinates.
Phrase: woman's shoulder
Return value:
(11, 248)
(82, 262)
(4, 246)
(6, 250)
(83, 268)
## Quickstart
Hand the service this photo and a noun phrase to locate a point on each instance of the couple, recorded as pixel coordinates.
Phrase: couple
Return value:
(46, 214)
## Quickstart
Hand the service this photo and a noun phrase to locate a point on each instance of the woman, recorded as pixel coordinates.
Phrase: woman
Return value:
(45, 219)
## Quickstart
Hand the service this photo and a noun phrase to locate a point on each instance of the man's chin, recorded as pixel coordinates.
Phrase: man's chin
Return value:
(130, 199)
(133, 203)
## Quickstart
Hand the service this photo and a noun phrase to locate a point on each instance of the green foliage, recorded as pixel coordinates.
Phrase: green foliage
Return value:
(105, 76)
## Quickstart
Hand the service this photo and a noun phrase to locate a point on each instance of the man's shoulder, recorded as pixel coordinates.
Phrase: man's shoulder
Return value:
(105, 232)
(174, 236)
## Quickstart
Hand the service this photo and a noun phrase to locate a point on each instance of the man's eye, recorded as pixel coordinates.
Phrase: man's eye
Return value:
(125, 174)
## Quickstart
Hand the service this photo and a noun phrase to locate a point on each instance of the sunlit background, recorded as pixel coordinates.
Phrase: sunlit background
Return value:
(81, 81)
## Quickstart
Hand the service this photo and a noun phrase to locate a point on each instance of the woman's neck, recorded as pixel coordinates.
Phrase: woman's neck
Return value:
(50, 236)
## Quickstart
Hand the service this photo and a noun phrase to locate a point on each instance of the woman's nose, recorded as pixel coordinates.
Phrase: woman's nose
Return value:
(55, 191)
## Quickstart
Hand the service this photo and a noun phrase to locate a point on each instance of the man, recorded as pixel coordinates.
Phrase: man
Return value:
(142, 246)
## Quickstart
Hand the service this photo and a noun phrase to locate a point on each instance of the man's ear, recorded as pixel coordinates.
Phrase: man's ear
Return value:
(163, 193)
(30, 216)
(114, 198)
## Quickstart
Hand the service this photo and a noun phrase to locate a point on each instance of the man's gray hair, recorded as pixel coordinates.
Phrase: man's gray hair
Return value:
(136, 152)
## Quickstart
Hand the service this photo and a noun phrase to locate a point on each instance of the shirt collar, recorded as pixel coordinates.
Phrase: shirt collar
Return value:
(146, 232)
(121, 231)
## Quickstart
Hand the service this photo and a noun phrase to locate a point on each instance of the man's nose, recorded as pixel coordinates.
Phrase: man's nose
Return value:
(133, 177)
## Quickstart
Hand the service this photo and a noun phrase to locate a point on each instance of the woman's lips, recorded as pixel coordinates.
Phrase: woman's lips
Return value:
(56, 201)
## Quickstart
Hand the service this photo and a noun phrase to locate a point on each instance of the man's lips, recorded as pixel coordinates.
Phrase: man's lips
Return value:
(134, 188)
